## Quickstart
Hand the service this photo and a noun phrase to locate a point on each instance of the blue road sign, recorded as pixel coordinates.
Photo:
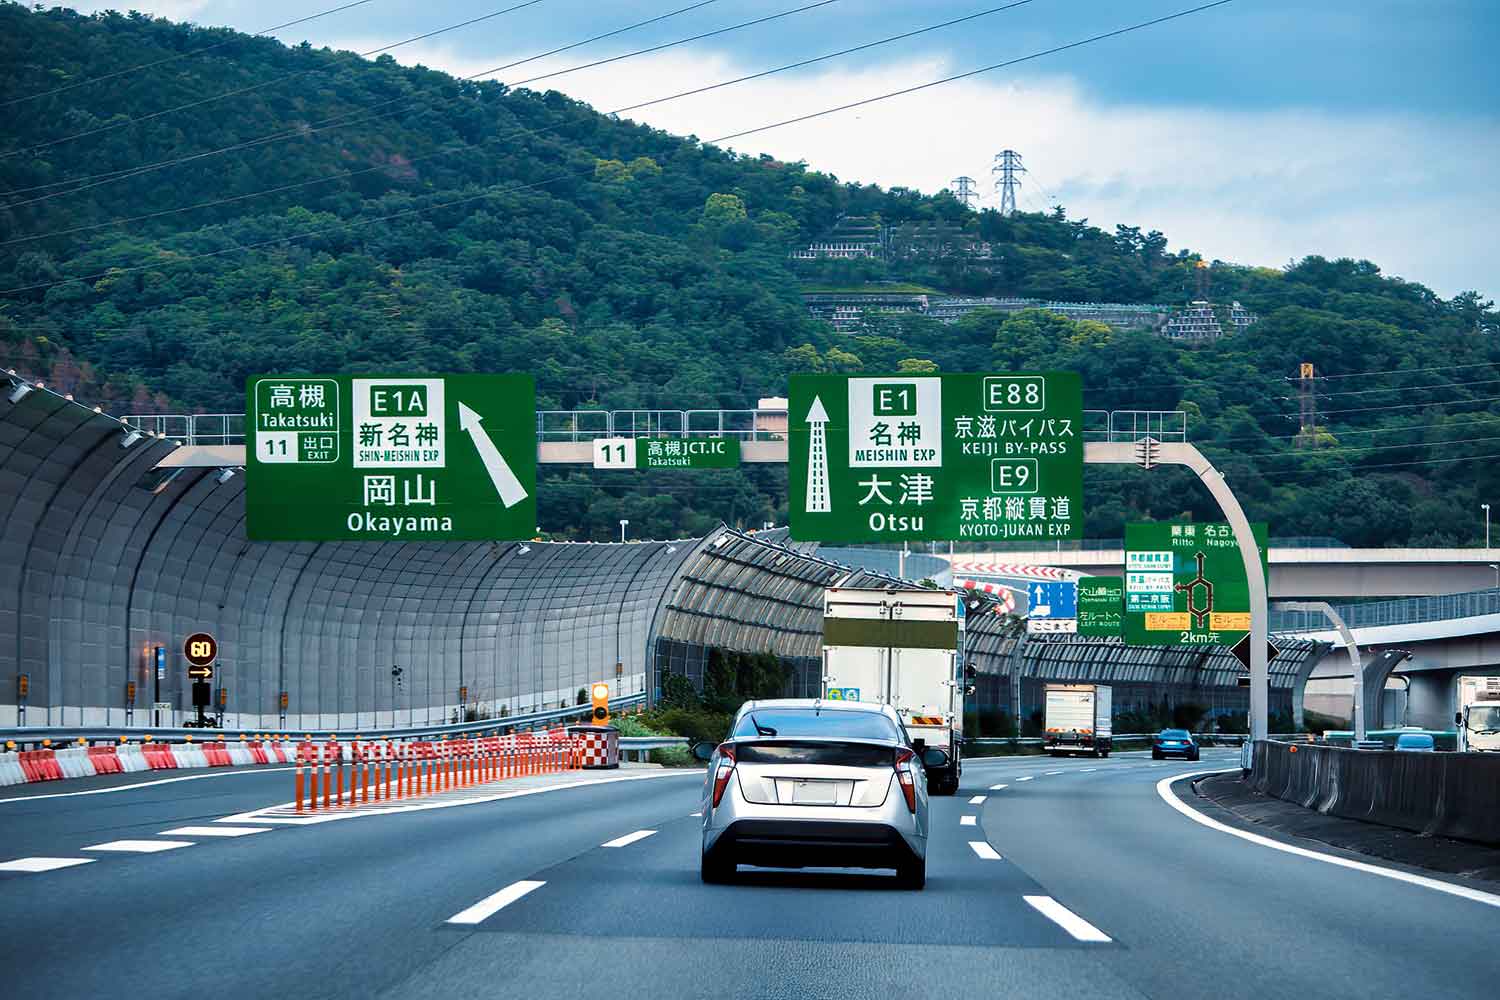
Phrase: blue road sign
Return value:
(1053, 599)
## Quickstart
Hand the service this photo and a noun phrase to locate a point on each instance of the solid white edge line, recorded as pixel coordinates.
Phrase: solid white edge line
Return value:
(1079, 928)
(214, 831)
(968, 820)
(1164, 789)
(147, 784)
(977, 800)
(493, 903)
(984, 850)
(42, 864)
(628, 839)
(139, 846)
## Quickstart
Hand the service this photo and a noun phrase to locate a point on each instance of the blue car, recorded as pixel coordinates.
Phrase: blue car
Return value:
(1174, 743)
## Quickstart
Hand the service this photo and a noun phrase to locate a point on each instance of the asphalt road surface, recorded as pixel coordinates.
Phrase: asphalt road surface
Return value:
(1045, 878)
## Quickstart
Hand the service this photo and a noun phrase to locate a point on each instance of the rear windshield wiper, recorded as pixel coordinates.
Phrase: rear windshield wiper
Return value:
(761, 730)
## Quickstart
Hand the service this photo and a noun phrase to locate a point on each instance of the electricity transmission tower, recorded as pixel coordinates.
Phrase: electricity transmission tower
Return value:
(965, 191)
(1008, 166)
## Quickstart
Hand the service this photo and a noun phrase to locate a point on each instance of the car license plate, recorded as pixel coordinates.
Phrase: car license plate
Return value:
(815, 793)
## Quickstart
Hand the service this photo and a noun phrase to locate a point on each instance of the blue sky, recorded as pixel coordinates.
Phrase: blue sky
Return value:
(1256, 132)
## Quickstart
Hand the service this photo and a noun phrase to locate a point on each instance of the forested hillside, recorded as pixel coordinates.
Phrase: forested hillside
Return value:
(366, 216)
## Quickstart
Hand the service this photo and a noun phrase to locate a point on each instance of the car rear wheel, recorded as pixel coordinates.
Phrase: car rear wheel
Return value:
(912, 874)
(1156, 755)
(716, 869)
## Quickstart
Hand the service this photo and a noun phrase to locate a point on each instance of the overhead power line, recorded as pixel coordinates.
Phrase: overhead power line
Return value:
(178, 55)
(263, 84)
(973, 72)
(1405, 406)
(178, 259)
(1403, 371)
(1406, 388)
(532, 132)
(1304, 474)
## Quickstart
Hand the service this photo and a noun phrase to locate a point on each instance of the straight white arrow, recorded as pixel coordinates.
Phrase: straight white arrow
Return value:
(506, 484)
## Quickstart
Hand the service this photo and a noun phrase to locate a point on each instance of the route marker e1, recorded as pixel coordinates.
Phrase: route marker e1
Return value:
(936, 457)
(1185, 584)
(404, 458)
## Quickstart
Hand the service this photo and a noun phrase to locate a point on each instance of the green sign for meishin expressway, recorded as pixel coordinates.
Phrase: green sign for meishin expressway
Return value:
(409, 458)
(936, 457)
(1185, 584)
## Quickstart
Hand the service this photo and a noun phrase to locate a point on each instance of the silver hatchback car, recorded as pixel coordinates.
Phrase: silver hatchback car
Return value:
(803, 783)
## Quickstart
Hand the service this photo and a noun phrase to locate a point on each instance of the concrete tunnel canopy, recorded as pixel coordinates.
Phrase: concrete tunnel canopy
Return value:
(106, 556)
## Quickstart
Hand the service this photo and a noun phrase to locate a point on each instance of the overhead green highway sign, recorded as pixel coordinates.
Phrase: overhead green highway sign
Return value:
(1101, 606)
(408, 458)
(936, 457)
(666, 453)
(1185, 584)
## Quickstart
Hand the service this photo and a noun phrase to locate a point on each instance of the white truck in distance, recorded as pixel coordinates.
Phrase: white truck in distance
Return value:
(903, 648)
(1077, 719)
(1478, 718)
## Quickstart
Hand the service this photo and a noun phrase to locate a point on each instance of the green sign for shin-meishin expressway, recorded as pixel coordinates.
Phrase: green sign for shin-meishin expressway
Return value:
(1185, 584)
(936, 457)
(407, 458)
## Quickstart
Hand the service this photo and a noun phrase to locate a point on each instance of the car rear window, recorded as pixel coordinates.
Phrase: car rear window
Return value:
(837, 724)
(839, 754)
(1175, 734)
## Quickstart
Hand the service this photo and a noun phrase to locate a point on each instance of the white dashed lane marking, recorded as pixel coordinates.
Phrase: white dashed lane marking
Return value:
(1079, 928)
(996, 788)
(628, 839)
(214, 831)
(140, 846)
(1027, 778)
(984, 850)
(42, 864)
(967, 820)
(1054, 772)
(492, 904)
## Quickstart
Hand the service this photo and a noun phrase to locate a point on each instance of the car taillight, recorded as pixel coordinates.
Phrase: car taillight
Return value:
(906, 776)
(725, 771)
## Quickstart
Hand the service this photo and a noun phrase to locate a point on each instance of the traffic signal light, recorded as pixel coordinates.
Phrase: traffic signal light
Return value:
(600, 694)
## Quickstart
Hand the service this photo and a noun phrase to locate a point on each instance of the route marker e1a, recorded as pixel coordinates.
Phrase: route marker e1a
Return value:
(1185, 584)
(391, 458)
(936, 457)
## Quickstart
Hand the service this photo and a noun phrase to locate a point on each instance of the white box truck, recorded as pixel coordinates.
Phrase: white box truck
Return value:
(903, 648)
(1076, 719)
(1478, 717)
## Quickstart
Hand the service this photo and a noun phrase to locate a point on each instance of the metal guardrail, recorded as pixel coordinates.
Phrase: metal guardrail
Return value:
(587, 425)
(66, 734)
(1209, 739)
(1399, 611)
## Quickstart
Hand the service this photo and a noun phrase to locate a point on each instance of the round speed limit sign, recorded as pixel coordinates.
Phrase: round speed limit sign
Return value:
(200, 649)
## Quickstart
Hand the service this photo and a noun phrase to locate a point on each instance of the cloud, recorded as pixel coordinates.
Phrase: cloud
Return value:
(1413, 194)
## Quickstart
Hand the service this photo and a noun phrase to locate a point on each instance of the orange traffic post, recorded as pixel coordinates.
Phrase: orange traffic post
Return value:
(299, 783)
(313, 801)
(327, 781)
(364, 783)
(338, 771)
(400, 772)
(411, 774)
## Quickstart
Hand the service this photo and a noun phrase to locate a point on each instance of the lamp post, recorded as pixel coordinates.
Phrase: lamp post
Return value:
(1486, 508)
(624, 523)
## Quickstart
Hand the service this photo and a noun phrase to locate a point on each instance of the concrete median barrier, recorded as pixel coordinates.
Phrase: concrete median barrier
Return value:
(1443, 794)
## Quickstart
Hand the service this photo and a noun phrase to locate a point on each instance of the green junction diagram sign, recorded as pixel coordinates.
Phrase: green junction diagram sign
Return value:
(407, 458)
(936, 457)
(1185, 584)
(1101, 606)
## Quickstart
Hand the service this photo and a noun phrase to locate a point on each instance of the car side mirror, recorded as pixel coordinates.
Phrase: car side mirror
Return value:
(704, 751)
(934, 757)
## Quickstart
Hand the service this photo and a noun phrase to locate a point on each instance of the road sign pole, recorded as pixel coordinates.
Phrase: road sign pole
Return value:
(1356, 661)
(1182, 453)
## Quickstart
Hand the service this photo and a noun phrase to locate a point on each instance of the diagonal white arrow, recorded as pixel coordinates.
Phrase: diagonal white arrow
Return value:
(506, 484)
